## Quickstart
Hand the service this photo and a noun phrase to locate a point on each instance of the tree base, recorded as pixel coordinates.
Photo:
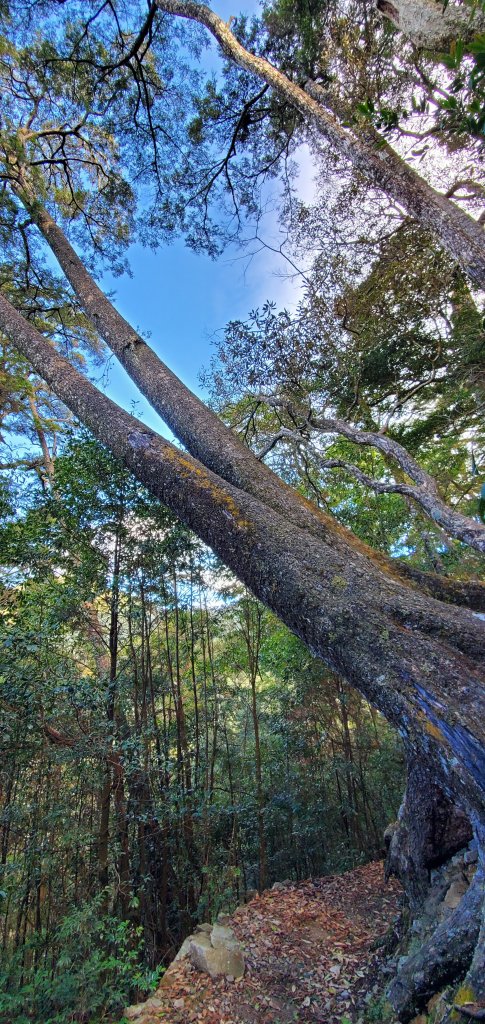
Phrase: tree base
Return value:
(445, 945)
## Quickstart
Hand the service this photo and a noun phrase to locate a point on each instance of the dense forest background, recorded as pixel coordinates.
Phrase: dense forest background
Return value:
(167, 746)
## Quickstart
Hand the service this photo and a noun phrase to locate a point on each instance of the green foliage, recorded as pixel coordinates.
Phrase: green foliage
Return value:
(90, 967)
(166, 744)
(128, 656)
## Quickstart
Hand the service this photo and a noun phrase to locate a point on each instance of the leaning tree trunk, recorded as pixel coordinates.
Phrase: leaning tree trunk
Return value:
(458, 233)
(203, 433)
(417, 660)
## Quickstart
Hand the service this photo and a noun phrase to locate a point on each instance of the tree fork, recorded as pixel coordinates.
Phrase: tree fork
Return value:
(202, 432)
(417, 660)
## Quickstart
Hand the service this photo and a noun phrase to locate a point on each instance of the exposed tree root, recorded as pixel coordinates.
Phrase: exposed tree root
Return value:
(456, 944)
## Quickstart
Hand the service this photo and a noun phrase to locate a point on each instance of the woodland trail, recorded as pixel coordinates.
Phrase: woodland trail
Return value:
(310, 957)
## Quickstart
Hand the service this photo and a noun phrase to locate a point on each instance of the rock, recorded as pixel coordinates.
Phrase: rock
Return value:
(471, 856)
(213, 949)
(455, 892)
(217, 953)
(141, 1010)
(183, 951)
(179, 1003)
(277, 887)
(224, 938)
(132, 1012)
(223, 919)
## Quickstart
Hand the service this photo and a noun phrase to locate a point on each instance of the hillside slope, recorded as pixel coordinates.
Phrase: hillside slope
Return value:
(309, 957)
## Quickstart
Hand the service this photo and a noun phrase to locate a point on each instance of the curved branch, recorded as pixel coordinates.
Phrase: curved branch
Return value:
(468, 530)
(424, 491)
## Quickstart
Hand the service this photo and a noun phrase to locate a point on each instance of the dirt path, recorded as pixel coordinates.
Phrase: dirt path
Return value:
(308, 951)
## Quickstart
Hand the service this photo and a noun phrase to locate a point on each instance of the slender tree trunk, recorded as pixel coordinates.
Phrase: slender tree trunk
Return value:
(103, 840)
(259, 782)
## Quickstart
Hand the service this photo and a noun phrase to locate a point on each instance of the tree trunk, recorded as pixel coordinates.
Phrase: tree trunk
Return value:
(103, 840)
(417, 660)
(443, 958)
(429, 830)
(432, 25)
(206, 436)
(458, 233)
(252, 637)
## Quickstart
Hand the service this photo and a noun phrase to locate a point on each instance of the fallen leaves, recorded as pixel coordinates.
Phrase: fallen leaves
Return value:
(308, 950)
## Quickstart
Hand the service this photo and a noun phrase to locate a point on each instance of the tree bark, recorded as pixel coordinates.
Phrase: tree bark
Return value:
(443, 958)
(202, 432)
(458, 233)
(429, 830)
(430, 24)
(417, 660)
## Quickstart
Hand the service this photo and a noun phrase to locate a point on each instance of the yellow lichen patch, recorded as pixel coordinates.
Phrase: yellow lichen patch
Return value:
(434, 731)
(465, 994)
(220, 496)
(429, 727)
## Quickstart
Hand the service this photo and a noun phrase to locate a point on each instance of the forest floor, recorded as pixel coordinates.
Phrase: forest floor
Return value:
(311, 950)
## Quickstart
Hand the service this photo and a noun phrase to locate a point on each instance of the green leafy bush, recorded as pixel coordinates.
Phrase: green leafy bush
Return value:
(87, 970)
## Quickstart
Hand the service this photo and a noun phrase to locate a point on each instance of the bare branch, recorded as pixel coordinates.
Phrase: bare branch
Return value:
(424, 489)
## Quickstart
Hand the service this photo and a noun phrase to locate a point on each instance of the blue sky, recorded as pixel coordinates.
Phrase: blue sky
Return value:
(184, 300)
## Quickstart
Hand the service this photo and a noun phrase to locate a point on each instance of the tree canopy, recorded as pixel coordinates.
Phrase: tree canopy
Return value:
(339, 474)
